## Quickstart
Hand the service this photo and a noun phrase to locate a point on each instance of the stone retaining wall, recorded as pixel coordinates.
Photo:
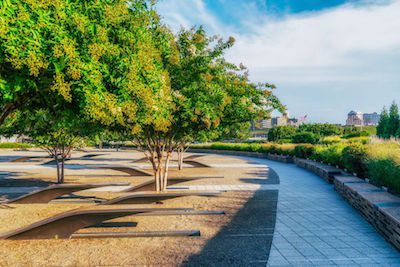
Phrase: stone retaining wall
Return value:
(280, 158)
(324, 171)
(379, 207)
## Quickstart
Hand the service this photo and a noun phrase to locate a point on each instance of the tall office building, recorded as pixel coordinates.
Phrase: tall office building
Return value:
(356, 118)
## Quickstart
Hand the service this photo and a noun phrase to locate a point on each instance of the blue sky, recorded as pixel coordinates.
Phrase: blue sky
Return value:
(326, 57)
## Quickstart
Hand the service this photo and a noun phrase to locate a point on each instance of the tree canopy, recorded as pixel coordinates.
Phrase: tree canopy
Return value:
(114, 67)
(389, 122)
(83, 51)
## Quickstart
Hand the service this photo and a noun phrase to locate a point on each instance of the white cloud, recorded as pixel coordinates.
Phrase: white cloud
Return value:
(333, 38)
(187, 13)
(348, 49)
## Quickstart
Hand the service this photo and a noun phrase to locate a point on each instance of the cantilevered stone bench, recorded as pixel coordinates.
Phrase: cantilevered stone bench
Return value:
(25, 159)
(188, 160)
(88, 156)
(151, 197)
(196, 163)
(65, 224)
(324, 171)
(193, 157)
(379, 207)
(144, 159)
(135, 234)
(47, 194)
(92, 155)
(132, 171)
(150, 184)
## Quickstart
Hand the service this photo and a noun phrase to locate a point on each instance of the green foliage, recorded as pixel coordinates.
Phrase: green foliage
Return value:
(329, 154)
(306, 133)
(304, 151)
(83, 51)
(281, 132)
(350, 132)
(321, 129)
(378, 162)
(382, 128)
(49, 128)
(383, 164)
(394, 120)
(67, 67)
(389, 123)
(305, 137)
(15, 145)
(329, 140)
(361, 140)
(354, 159)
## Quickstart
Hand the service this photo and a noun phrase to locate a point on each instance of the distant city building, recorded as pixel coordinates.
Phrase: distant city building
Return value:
(265, 124)
(357, 118)
(279, 121)
(371, 119)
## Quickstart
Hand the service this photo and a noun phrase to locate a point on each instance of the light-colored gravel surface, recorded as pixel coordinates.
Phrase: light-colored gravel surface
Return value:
(159, 251)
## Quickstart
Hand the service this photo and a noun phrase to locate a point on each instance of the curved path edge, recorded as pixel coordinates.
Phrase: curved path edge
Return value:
(315, 225)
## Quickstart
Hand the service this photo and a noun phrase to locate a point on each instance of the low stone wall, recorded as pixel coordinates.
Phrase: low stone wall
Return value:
(280, 158)
(379, 207)
(324, 171)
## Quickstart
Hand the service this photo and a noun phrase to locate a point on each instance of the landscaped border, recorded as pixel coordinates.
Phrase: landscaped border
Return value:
(380, 208)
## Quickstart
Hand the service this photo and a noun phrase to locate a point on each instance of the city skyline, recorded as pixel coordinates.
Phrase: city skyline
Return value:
(295, 45)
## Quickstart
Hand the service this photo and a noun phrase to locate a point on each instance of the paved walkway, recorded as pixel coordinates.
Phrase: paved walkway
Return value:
(316, 227)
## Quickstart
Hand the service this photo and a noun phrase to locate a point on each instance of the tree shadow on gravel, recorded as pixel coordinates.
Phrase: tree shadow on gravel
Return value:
(10, 179)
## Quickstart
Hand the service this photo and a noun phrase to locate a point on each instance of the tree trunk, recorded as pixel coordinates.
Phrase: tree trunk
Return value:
(180, 158)
(7, 110)
(165, 172)
(58, 168)
(62, 168)
(160, 163)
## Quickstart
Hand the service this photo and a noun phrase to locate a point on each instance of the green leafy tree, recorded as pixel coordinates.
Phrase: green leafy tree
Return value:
(321, 129)
(394, 120)
(281, 132)
(203, 95)
(57, 131)
(215, 98)
(305, 137)
(83, 51)
(382, 128)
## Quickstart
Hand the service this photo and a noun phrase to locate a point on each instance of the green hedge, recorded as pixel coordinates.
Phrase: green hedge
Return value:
(383, 165)
(15, 145)
(379, 162)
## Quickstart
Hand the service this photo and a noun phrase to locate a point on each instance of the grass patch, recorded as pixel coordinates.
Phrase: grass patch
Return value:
(15, 145)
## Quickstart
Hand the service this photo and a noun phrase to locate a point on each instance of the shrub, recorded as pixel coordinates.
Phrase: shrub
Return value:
(304, 151)
(357, 134)
(329, 140)
(383, 165)
(281, 132)
(330, 154)
(321, 129)
(354, 159)
(15, 145)
(362, 140)
(305, 137)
